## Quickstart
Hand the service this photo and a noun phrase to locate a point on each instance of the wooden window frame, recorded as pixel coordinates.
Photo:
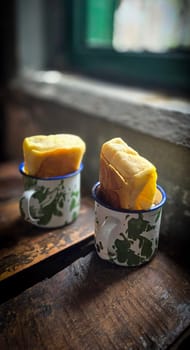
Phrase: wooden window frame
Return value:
(170, 71)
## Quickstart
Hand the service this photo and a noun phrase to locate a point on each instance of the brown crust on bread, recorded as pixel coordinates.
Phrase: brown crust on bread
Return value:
(111, 185)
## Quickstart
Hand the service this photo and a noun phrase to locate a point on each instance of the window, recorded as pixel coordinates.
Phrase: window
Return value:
(142, 42)
(138, 42)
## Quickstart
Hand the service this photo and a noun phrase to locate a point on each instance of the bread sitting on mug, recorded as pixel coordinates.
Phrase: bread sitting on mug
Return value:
(127, 180)
(52, 155)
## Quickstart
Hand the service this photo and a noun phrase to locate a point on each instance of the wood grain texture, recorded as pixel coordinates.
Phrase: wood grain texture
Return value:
(95, 305)
(23, 245)
(89, 304)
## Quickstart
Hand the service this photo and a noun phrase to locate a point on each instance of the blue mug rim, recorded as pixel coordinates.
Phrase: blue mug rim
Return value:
(21, 169)
(159, 205)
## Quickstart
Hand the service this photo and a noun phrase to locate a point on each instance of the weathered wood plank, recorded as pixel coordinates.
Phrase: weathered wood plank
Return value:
(23, 245)
(94, 305)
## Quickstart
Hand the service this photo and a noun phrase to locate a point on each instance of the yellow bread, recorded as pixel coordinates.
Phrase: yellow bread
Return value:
(127, 180)
(52, 155)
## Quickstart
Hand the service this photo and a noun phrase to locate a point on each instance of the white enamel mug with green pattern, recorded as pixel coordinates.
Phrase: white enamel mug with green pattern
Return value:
(50, 202)
(126, 237)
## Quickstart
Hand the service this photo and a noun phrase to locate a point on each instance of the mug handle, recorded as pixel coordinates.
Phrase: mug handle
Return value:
(106, 230)
(28, 195)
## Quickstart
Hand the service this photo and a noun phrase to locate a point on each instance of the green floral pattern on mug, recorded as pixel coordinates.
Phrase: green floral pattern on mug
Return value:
(50, 202)
(132, 247)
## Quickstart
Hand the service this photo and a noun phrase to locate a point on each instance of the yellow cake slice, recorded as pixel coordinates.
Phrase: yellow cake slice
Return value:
(52, 155)
(127, 180)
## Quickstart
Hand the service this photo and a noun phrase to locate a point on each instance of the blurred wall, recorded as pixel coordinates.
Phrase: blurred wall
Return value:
(8, 60)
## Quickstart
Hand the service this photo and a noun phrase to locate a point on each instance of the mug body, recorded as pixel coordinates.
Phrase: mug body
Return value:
(50, 202)
(126, 237)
